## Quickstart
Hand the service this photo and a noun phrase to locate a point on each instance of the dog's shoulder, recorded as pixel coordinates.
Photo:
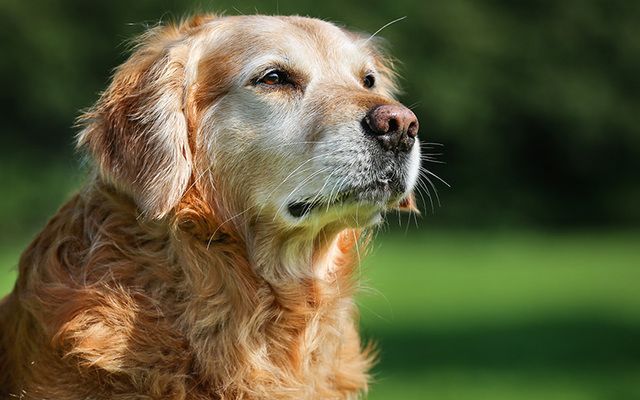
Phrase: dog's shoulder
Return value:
(82, 305)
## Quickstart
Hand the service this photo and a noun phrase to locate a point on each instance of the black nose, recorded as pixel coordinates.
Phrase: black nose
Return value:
(393, 125)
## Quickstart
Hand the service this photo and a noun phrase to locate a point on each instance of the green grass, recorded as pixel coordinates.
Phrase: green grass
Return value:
(498, 315)
(505, 315)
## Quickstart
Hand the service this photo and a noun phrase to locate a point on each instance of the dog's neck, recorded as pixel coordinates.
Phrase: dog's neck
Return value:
(275, 254)
(284, 296)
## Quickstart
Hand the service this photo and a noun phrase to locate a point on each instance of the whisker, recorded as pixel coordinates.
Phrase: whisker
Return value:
(326, 182)
(307, 179)
(383, 27)
(294, 144)
(406, 229)
(337, 185)
(423, 186)
(200, 176)
(269, 196)
(251, 207)
(268, 148)
(435, 176)
(224, 222)
(293, 172)
(435, 191)
(414, 105)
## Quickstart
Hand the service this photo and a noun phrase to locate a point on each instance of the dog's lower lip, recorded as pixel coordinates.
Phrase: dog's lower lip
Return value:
(299, 209)
(372, 194)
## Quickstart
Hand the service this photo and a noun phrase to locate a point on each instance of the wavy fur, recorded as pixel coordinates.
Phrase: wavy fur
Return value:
(151, 283)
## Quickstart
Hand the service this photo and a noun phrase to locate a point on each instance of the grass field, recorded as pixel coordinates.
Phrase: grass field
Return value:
(497, 315)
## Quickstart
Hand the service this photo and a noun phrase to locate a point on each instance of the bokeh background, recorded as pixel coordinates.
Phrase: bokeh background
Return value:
(524, 283)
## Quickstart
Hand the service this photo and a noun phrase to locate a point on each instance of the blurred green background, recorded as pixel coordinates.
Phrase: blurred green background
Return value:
(525, 283)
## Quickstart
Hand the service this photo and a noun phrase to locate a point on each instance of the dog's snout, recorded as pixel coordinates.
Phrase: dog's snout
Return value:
(393, 125)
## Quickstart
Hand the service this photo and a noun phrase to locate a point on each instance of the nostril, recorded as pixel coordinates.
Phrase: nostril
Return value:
(393, 125)
(412, 131)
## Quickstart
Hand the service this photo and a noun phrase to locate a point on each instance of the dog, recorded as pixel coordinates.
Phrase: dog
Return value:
(235, 162)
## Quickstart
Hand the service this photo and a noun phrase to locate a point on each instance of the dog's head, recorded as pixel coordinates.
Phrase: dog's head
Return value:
(286, 118)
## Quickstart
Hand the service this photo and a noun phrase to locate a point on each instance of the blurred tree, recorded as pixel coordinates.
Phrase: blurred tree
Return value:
(536, 101)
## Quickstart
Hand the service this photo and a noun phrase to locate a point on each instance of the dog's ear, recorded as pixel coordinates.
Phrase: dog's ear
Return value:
(137, 132)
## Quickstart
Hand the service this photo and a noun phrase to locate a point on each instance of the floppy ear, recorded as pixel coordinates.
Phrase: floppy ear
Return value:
(137, 132)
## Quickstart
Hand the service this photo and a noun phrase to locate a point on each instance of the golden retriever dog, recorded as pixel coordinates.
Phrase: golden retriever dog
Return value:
(211, 254)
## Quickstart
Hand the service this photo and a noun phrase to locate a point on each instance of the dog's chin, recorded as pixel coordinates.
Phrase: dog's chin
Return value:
(357, 207)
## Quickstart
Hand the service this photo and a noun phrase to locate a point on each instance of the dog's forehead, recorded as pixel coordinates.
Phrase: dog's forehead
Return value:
(305, 40)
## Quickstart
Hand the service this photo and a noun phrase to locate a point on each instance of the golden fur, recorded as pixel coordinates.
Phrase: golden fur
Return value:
(152, 282)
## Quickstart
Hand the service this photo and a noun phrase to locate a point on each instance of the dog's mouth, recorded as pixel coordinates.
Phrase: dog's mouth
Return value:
(299, 209)
(379, 196)
(302, 208)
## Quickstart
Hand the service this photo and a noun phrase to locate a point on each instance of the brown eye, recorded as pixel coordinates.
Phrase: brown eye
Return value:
(274, 77)
(369, 81)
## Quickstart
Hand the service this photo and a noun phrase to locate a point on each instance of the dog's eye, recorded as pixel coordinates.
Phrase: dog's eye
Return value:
(369, 81)
(274, 77)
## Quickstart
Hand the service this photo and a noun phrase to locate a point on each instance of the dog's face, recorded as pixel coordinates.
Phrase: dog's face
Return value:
(291, 119)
